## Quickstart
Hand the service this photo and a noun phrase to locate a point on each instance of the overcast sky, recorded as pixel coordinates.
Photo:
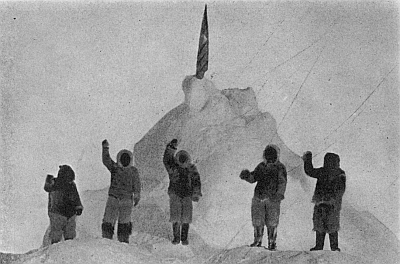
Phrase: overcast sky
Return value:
(74, 74)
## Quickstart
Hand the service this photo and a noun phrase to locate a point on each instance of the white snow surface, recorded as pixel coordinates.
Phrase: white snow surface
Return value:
(224, 132)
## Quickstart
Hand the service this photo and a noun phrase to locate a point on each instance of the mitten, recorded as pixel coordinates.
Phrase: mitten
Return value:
(105, 143)
(173, 144)
(79, 211)
(307, 155)
(49, 178)
(245, 174)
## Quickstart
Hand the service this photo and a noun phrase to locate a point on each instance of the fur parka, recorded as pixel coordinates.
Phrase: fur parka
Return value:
(270, 175)
(329, 190)
(125, 180)
(184, 179)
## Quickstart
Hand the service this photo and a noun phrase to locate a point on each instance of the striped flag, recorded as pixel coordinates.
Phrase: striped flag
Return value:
(202, 54)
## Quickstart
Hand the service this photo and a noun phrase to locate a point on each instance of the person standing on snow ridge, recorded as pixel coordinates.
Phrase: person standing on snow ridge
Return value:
(64, 204)
(271, 178)
(329, 190)
(123, 194)
(184, 187)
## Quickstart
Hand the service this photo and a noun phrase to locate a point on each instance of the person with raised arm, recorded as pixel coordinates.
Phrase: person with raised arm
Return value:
(184, 188)
(123, 194)
(329, 190)
(64, 204)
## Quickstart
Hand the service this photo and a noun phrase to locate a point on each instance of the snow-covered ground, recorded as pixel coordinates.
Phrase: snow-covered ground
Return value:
(233, 139)
(105, 251)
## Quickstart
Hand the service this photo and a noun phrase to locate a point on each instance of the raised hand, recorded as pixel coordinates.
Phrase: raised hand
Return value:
(105, 143)
(307, 155)
(173, 144)
(244, 174)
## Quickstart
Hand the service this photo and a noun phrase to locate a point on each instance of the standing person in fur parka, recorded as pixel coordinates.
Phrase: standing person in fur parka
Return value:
(64, 204)
(329, 190)
(184, 187)
(271, 178)
(123, 194)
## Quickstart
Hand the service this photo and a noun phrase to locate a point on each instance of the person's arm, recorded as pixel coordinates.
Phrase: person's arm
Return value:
(308, 165)
(253, 176)
(136, 186)
(196, 183)
(247, 176)
(168, 158)
(282, 181)
(107, 161)
(49, 184)
(340, 186)
(76, 200)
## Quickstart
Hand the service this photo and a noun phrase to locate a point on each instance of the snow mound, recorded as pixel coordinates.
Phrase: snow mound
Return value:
(247, 255)
(224, 132)
(9, 257)
(108, 251)
(90, 251)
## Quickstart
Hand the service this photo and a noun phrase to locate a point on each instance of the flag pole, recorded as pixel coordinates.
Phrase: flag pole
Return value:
(202, 54)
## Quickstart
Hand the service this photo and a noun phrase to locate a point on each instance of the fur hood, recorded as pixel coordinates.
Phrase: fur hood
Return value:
(331, 161)
(65, 174)
(269, 147)
(120, 154)
(183, 154)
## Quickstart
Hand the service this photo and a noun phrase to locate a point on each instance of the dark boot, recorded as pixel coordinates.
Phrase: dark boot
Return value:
(176, 230)
(184, 234)
(320, 239)
(124, 230)
(54, 241)
(258, 235)
(334, 241)
(272, 233)
(107, 230)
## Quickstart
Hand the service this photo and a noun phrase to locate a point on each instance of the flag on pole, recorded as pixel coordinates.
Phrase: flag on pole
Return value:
(202, 54)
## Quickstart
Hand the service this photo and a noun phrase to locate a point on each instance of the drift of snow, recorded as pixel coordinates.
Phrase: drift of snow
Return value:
(246, 255)
(90, 251)
(225, 132)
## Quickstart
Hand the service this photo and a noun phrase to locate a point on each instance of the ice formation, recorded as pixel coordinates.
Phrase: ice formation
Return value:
(225, 132)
